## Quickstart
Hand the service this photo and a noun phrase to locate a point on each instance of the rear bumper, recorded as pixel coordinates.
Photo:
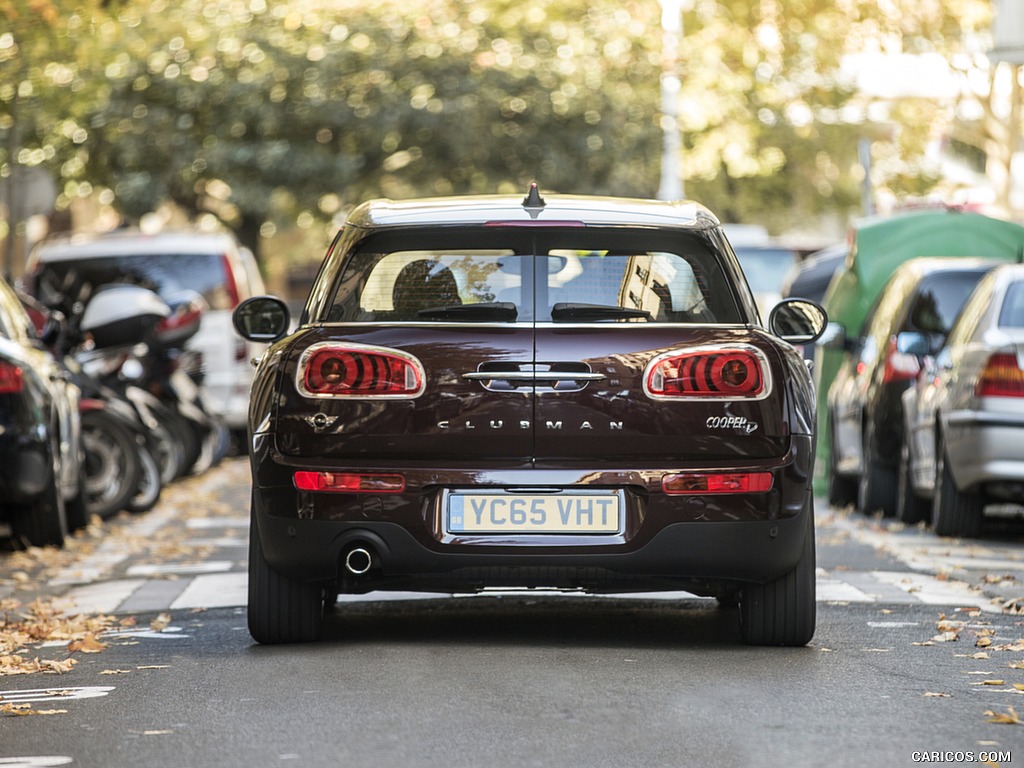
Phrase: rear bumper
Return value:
(669, 543)
(985, 448)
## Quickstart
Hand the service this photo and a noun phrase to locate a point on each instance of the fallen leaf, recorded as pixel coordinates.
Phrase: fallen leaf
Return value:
(931, 695)
(1010, 717)
(155, 666)
(991, 682)
(88, 644)
(161, 622)
(115, 671)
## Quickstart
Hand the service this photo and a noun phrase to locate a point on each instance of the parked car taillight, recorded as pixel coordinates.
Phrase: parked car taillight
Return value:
(11, 378)
(353, 370)
(719, 372)
(1002, 377)
(899, 366)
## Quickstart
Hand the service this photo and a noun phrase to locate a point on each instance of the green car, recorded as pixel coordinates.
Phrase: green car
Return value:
(877, 247)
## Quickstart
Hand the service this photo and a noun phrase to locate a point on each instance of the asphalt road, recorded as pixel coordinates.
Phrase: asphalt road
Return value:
(912, 650)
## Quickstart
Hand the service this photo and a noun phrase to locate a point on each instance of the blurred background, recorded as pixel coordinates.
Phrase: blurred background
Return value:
(272, 118)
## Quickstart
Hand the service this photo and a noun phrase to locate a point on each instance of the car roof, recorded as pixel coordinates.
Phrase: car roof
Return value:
(515, 209)
(130, 243)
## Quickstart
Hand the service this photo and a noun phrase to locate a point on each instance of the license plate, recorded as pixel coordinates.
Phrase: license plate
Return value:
(595, 512)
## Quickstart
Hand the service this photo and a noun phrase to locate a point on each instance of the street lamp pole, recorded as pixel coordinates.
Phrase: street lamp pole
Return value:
(671, 187)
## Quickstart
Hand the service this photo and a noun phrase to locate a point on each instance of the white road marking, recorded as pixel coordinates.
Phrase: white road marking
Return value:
(209, 566)
(54, 693)
(214, 591)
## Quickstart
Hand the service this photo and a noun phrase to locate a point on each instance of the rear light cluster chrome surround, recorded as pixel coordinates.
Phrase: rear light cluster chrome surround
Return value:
(1001, 377)
(348, 482)
(359, 371)
(701, 483)
(721, 372)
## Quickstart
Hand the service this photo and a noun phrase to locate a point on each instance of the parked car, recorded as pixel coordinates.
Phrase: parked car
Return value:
(877, 247)
(503, 392)
(41, 483)
(66, 271)
(865, 406)
(965, 416)
(809, 278)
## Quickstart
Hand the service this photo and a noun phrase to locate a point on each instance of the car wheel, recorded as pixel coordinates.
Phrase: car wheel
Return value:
(112, 464)
(43, 523)
(281, 610)
(842, 491)
(876, 489)
(783, 612)
(910, 508)
(954, 512)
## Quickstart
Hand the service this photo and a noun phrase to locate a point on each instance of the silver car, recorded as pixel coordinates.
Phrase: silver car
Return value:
(965, 416)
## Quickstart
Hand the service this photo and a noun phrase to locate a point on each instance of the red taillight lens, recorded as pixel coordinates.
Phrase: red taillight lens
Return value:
(1002, 377)
(11, 378)
(899, 366)
(727, 373)
(733, 482)
(333, 370)
(230, 283)
(348, 482)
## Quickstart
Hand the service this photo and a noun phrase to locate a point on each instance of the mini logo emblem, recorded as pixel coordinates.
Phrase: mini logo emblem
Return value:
(320, 421)
(731, 422)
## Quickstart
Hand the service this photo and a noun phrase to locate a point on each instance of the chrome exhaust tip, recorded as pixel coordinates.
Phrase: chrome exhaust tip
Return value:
(358, 561)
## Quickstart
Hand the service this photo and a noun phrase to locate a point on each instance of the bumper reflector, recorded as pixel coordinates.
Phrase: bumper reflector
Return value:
(348, 482)
(739, 482)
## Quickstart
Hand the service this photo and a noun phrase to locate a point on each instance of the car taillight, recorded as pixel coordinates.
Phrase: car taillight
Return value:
(348, 482)
(711, 372)
(1002, 377)
(732, 482)
(899, 366)
(330, 369)
(11, 378)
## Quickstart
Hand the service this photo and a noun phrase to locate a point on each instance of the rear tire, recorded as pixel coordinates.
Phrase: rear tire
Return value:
(954, 512)
(876, 489)
(43, 523)
(784, 611)
(910, 508)
(281, 610)
(842, 491)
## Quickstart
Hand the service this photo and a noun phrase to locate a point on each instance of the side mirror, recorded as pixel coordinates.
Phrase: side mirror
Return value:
(913, 343)
(797, 321)
(261, 318)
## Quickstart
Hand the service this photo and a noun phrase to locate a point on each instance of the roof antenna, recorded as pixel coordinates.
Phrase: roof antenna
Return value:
(533, 198)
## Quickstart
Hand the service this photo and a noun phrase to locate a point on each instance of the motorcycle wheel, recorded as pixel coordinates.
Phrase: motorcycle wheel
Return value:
(112, 464)
(150, 485)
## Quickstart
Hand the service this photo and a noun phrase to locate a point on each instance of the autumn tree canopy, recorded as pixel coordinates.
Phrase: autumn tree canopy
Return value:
(269, 113)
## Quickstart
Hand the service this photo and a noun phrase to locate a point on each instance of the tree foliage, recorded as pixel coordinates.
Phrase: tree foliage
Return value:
(266, 113)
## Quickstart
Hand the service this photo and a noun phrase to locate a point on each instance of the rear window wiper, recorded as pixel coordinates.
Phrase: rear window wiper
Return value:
(564, 310)
(501, 311)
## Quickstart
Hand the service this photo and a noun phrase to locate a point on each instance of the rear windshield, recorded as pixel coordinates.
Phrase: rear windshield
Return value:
(62, 283)
(939, 299)
(568, 275)
(1012, 313)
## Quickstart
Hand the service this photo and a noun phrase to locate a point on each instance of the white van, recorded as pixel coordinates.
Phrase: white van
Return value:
(63, 271)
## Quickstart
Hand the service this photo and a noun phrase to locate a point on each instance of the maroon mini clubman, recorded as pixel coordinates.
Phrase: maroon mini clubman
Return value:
(574, 393)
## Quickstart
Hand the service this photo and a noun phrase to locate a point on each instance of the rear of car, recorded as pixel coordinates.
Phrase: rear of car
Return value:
(64, 272)
(39, 433)
(979, 419)
(484, 393)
